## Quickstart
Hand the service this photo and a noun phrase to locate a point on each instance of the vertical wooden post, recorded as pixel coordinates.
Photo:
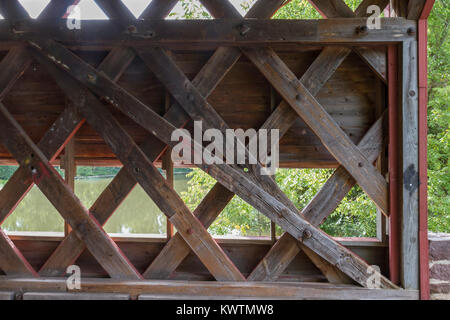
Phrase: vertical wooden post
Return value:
(382, 165)
(167, 165)
(393, 152)
(273, 105)
(409, 194)
(70, 171)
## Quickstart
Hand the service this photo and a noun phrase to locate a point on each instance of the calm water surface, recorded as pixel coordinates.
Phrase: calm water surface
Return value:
(137, 214)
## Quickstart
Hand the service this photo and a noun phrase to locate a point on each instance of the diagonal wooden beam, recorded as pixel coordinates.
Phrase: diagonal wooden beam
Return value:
(12, 262)
(318, 209)
(338, 9)
(11, 259)
(283, 118)
(332, 136)
(361, 10)
(233, 180)
(196, 105)
(51, 144)
(115, 9)
(13, 10)
(57, 9)
(147, 175)
(158, 8)
(48, 180)
(71, 247)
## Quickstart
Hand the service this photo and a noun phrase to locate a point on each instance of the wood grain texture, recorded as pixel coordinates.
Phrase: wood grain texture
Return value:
(316, 211)
(331, 135)
(63, 199)
(149, 178)
(409, 199)
(146, 33)
(213, 289)
(239, 184)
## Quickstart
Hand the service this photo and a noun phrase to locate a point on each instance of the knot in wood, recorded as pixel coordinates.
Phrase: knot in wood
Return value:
(306, 235)
(362, 30)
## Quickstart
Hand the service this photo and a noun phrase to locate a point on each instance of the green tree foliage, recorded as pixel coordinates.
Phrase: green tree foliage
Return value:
(438, 118)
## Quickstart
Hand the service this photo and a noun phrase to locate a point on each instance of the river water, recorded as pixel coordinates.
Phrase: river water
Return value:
(137, 214)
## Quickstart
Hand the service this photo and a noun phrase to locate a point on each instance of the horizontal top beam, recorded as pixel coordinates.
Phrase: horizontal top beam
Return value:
(237, 32)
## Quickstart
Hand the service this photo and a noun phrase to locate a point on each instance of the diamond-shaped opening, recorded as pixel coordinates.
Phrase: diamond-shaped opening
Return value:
(34, 213)
(237, 219)
(136, 6)
(297, 9)
(353, 4)
(87, 10)
(34, 7)
(354, 217)
(189, 9)
(138, 214)
(242, 5)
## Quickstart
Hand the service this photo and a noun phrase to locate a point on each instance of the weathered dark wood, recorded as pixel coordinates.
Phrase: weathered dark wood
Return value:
(331, 135)
(70, 171)
(56, 9)
(409, 198)
(74, 296)
(62, 130)
(158, 8)
(12, 262)
(338, 9)
(361, 11)
(13, 66)
(150, 179)
(317, 210)
(13, 10)
(239, 184)
(333, 8)
(222, 290)
(415, 8)
(115, 9)
(47, 179)
(223, 32)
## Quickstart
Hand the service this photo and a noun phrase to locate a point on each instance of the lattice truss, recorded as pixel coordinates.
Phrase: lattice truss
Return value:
(88, 89)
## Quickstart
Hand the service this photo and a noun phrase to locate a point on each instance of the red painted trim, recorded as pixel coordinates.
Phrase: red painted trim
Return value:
(427, 9)
(394, 223)
(422, 41)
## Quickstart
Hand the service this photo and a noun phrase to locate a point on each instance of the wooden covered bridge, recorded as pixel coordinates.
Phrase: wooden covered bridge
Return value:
(343, 94)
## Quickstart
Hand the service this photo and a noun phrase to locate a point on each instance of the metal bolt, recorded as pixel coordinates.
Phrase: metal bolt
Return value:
(244, 29)
(306, 235)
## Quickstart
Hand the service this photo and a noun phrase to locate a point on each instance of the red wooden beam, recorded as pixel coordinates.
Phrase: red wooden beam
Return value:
(423, 196)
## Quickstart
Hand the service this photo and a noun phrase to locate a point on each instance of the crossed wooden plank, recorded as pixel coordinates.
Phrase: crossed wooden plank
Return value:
(329, 59)
(232, 179)
(338, 9)
(172, 206)
(113, 66)
(206, 81)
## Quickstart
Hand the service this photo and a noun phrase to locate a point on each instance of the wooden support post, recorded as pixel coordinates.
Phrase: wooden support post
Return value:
(409, 198)
(70, 172)
(167, 166)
